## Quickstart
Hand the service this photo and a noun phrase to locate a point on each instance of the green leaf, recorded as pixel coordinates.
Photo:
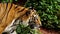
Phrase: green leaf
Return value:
(15, 0)
(58, 0)
(18, 30)
(11, 1)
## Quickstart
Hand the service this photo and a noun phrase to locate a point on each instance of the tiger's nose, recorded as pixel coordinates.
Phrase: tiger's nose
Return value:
(4, 33)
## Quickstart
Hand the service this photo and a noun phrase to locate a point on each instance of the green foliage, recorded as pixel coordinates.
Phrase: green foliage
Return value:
(48, 11)
(8, 1)
(25, 30)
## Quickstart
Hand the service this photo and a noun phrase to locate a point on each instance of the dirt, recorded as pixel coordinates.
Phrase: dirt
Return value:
(46, 31)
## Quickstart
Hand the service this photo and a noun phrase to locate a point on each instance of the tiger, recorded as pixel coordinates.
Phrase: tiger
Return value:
(11, 14)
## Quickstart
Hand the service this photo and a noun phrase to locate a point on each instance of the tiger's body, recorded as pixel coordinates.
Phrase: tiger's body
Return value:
(9, 12)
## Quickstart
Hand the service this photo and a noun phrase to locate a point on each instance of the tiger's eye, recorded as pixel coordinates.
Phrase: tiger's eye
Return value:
(28, 12)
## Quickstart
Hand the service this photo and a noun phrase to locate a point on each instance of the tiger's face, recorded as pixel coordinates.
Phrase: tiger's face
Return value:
(19, 15)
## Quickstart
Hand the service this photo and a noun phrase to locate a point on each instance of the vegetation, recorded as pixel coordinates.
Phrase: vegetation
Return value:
(26, 30)
(7, 1)
(48, 10)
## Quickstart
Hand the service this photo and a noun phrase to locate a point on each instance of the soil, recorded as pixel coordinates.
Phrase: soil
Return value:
(46, 31)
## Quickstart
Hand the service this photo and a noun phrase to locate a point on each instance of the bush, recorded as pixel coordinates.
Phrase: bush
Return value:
(48, 11)
(26, 30)
(7, 1)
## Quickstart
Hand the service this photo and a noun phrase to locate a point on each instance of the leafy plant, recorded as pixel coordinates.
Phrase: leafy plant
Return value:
(26, 30)
(8, 1)
(48, 10)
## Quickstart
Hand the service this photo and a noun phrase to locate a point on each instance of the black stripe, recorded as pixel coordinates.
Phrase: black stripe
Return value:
(10, 7)
(9, 10)
(21, 10)
(23, 14)
(6, 6)
(16, 7)
(5, 10)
